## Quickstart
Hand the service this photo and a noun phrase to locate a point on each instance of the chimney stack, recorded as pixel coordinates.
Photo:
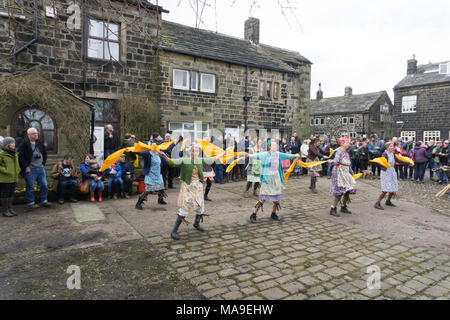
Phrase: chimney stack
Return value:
(251, 30)
(412, 65)
(348, 91)
(319, 93)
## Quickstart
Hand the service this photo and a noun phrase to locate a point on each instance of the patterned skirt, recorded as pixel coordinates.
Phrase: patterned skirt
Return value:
(314, 171)
(190, 199)
(271, 191)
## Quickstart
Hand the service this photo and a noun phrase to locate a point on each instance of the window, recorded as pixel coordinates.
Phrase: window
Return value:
(103, 42)
(351, 120)
(428, 135)
(352, 135)
(406, 134)
(38, 119)
(322, 120)
(189, 130)
(194, 81)
(208, 83)
(409, 104)
(319, 121)
(344, 120)
(262, 85)
(316, 121)
(106, 112)
(276, 89)
(312, 121)
(384, 110)
(268, 89)
(444, 68)
(181, 79)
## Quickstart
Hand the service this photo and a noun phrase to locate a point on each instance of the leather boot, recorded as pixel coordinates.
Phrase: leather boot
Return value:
(161, 199)
(389, 203)
(197, 226)
(275, 217)
(334, 212)
(378, 206)
(174, 233)
(345, 210)
(253, 218)
(313, 185)
(139, 203)
(6, 212)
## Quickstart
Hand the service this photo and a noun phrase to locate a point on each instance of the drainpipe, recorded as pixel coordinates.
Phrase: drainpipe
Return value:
(246, 99)
(91, 142)
(35, 37)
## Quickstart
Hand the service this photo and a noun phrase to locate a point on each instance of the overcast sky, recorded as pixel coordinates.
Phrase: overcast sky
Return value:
(362, 44)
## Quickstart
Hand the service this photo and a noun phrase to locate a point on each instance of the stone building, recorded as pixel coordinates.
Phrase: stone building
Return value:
(102, 52)
(352, 115)
(422, 101)
(231, 84)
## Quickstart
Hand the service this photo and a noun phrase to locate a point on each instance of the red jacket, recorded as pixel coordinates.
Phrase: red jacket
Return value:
(399, 150)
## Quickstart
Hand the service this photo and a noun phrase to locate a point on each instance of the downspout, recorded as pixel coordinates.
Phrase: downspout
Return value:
(35, 37)
(246, 99)
(91, 142)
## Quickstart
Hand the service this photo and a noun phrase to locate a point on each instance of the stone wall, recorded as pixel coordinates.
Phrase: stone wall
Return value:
(225, 107)
(432, 110)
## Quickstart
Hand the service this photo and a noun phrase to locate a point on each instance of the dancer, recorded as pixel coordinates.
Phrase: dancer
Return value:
(191, 198)
(153, 178)
(388, 177)
(208, 174)
(253, 170)
(271, 179)
(313, 156)
(342, 182)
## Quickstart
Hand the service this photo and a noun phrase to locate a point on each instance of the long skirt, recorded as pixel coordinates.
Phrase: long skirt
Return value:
(190, 199)
(271, 191)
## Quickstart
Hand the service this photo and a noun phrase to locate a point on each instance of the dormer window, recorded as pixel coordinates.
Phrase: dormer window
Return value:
(444, 68)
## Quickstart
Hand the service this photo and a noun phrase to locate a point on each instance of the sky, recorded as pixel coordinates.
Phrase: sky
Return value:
(362, 44)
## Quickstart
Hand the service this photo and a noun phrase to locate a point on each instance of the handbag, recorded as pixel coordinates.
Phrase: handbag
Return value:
(83, 187)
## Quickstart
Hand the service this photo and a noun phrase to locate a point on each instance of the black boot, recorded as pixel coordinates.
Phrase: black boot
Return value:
(333, 212)
(6, 212)
(390, 204)
(345, 210)
(161, 197)
(275, 217)
(139, 203)
(378, 206)
(253, 218)
(197, 226)
(174, 233)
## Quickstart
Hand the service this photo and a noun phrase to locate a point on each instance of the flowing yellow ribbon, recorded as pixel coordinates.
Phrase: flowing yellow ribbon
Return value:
(184, 144)
(333, 151)
(382, 161)
(289, 171)
(404, 159)
(357, 176)
(231, 165)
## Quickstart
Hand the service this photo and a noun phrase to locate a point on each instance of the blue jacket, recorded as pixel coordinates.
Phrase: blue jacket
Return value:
(124, 167)
(265, 164)
(84, 168)
(147, 161)
(118, 172)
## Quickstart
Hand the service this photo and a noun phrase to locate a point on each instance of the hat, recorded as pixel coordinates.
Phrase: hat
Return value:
(6, 141)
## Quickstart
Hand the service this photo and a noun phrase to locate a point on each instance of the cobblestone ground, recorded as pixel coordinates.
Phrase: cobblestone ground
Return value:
(305, 257)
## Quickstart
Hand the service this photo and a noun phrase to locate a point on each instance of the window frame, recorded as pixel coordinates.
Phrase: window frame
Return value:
(196, 81)
(408, 108)
(351, 120)
(268, 91)
(434, 137)
(104, 39)
(174, 86)
(177, 132)
(103, 122)
(342, 120)
(409, 134)
(213, 83)
(263, 82)
(277, 86)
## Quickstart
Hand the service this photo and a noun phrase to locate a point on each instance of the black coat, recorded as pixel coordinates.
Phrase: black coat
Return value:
(111, 143)
(26, 154)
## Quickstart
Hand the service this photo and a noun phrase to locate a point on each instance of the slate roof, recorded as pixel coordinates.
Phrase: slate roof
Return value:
(357, 103)
(422, 78)
(144, 4)
(215, 46)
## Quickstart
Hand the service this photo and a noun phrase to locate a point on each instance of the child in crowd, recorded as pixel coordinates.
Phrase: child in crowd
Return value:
(114, 177)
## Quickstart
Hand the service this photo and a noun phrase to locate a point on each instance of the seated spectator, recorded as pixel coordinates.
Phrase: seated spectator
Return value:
(65, 177)
(9, 174)
(114, 177)
(127, 176)
(89, 170)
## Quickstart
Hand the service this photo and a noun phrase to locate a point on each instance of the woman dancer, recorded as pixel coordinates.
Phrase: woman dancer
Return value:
(271, 179)
(313, 156)
(253, 170)
(388, 177)
(153, 178)
(208, 174)
(342, 182)
(191, 198)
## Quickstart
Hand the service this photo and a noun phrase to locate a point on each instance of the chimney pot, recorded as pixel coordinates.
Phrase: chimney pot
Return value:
(251, 30)
(348, 91)
(319, 93)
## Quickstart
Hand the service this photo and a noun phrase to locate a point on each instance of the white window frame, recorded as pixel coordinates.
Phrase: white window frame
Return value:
(409, 104)
(181, 87)
(353, 134)
(444, 68)
(185, 133)
(194, 81)
(344, 122)
(316, 121)
(322, 124)
(406, 134)
(107, 39)
(431, 134)
(213, 90)
(350, 120)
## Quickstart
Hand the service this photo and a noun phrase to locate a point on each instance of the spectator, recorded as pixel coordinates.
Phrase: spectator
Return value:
(65, 177)
(89, 170)
(32, 158)
(304, 153)
(9, 174)
(398, 149)
(363, 156)
(218, 166)
(111, 141)
(168, 172)
(374, 152)
(443, 154)
(333, 144)
(127, 176)
(419, 157)
(409, 149)
(130, 157)
(354, 154)
(114, 178)
(430, 160)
